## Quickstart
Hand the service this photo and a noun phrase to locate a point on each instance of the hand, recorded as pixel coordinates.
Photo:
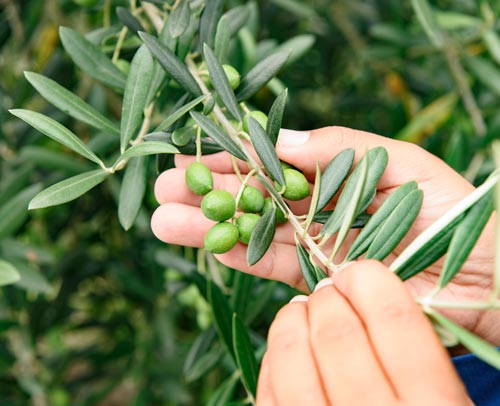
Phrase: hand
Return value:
(360, 340)
(179, 220)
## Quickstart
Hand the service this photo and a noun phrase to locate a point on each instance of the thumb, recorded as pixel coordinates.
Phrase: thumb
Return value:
(303, 148)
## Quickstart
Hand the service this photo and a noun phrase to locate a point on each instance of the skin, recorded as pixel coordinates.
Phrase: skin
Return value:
(344, 323)
(442, 187)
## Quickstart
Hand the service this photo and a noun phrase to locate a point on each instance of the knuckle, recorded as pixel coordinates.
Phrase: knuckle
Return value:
(340, 329)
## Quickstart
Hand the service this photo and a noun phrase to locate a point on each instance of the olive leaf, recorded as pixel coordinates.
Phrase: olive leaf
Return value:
(208, 22)
(265, 151)
(207, 147)
(262, 236)
(308, 271)
(396, 226)
(91, 59)
(177, 114)
(69, 103)
(68, 189)
(481, 349)
(465, 237)
(171, 64)
(237, 17)
(132, 191)
(149, 148)
(370, 230)
(182, 136)
(222, 38)
(185, 41)
(224, 393)
(275, 116)
(13, 212)
(376, 160)
(435, 239)
(323, 216)
(241, 297)
(333, 176)
(204, 364)
(180, 19)
(485, 71)
(221, 312)
(57, 132)
(298, 46)
(427, 19)
(260, 74)
(218, 135)
(200, 346)
(128, 19)
(136, 94)
(352, 207)
(221, 83)
(245, 357)
(8, 273)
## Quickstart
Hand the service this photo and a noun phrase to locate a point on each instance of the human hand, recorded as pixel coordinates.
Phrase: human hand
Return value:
(360, 340)
(179, 220)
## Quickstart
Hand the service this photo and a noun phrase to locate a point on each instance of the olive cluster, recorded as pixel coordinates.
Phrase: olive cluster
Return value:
(220, 205)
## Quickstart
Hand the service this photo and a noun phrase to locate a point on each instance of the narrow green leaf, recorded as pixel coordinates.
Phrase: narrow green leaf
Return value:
(199, 347)
(486, 72)
(185, 41)
(333, 176)
(465, 237)
(13, 180)
(91, 59)
(377, 161)
(352, 207)
(451, 20)
(237, 17)
(480, 348)
(365, 238)
(265, 150)
(492, 41)
(428, 253)
(245, 357)
(260, 74)
(32, 279)
(208, 22)
(180, 19)
(221, 83)
(297, 46)
(222, 38)
(396, 226)
(306, 267)
(136, 94)
(224, 393)
(218, 135)
(262, 236)
(69, 103)
(132, 191)
(13, 212)
(50, 159)
(298, 8)
(241, 297)
(57, 132)
(314, 198)
(222, 315)
(171, 64)
(184, 135)
(8, 274)
(204, 364)
(444, 223)
(177, 114)
(68, 189)
(275, 116)
(361, 220)
(129, 20)
(428, 22)
(261, 301)
(149, 148)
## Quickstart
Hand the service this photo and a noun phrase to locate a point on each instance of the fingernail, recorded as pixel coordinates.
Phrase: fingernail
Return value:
(299, 298)
(292, 138)
(322, 283)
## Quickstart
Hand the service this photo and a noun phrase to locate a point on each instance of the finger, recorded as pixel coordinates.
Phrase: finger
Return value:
(180, 224)
(349, 366)
(265, 395)
(294, 376)
(403, 338)
(303, 149)
(171, 187)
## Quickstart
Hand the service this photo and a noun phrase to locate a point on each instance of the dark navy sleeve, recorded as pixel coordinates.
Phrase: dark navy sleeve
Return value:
(481, 380)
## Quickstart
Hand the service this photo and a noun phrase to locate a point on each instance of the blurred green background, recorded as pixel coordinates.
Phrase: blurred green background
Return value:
(101, 316)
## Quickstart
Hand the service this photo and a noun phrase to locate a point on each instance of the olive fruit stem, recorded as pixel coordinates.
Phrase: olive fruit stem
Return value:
(263, 179)
(243, 184)
(198, 144)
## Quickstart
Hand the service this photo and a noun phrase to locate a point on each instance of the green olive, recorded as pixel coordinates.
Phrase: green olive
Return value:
(258, 116)
(268, 205)
(297, 186)
(251, 200)
(246, 223)
(232, 75)
(199, 179)
(221, 238)
(218, 205)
